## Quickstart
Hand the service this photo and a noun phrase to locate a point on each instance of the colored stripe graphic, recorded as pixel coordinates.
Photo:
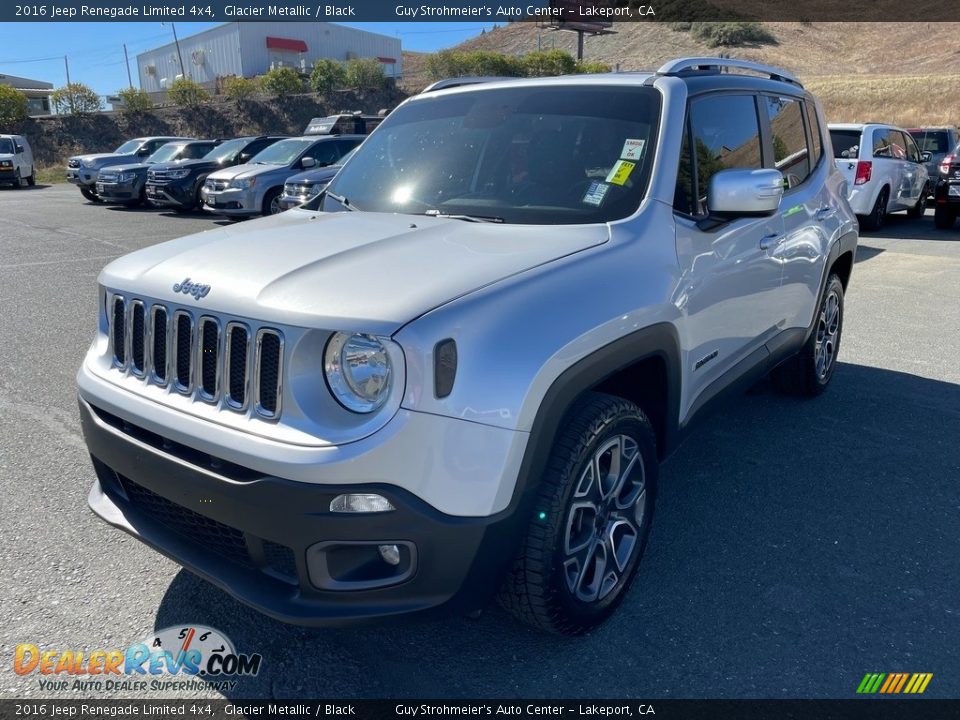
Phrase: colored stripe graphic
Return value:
(894, 683)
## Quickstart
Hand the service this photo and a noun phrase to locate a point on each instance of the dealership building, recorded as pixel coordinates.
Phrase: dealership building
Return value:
(251, 48)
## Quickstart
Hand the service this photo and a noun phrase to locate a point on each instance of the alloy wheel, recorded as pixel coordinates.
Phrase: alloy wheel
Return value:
(828, 334)
(605, 521)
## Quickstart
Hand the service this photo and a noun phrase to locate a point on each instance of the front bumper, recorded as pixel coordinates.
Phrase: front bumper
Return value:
(170, 194)
(82, 177)
(118, 192)
(232, 201)
(7, 174)
(273, 543)
(291, 201)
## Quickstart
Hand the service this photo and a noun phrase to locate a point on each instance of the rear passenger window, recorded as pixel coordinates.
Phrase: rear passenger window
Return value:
(725, 134)
(789, 137)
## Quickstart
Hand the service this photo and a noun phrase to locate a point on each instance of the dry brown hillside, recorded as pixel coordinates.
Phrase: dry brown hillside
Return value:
(908, 73)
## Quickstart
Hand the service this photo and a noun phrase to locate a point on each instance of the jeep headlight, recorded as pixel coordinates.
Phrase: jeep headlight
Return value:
(358, 371)
(243, 183)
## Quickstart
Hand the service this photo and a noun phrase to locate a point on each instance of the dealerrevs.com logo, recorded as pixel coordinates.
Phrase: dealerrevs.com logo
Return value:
(175, 658)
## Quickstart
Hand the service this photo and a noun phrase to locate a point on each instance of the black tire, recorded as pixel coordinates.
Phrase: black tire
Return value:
(802, 375)
(920, 208)
(545, 585)
(90, 195)
(270, 206)
(17, 180)
(944, 217)
(874, 221)
(32, 180)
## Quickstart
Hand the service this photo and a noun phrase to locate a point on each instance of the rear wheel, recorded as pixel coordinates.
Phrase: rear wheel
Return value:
(591, 521)
(944, 217)
(874, 221)
(809, 372)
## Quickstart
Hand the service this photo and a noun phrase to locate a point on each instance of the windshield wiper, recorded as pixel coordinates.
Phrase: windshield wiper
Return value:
(346, 204)
(467, 218)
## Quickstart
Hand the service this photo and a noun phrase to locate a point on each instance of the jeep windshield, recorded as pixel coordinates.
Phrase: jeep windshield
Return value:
(283, 152)
(546, 155)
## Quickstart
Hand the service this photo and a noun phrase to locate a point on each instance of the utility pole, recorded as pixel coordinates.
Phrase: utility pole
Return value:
(127, 58)
(177, 41)
(66, 65)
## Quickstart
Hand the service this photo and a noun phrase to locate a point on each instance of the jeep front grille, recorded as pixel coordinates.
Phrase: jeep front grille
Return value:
(197, 356)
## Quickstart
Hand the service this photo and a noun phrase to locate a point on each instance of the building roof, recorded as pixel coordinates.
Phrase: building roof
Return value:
(25, 83)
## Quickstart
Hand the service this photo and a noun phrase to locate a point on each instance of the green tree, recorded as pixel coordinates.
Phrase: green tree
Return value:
(76, 98)
(240, 89)
(281, 81)
(592, 67)
(135, 100)
(184, 92)
(13, 107)
(365, 74)
(549, 62)
(446, 64)
(732, 34)
(327, 75)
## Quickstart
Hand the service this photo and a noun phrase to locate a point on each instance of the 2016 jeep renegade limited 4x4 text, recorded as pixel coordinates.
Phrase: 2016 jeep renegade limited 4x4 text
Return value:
(453, 374)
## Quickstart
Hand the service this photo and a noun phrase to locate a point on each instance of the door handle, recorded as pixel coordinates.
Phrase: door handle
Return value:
(825, 213)
(769, 241)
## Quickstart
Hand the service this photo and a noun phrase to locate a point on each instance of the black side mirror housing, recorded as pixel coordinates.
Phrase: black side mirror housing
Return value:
(19, 149)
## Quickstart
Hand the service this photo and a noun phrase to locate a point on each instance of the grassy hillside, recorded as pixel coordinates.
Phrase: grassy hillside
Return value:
(906, 73)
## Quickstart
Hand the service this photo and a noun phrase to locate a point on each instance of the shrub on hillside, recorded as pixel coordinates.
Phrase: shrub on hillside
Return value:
(732, 34)
(327, 75)
(365, 74)
(549, 62)
(13, 107)
(281, 81)
(135, 100)
(239, 89)
(184, 92)
(592, 67)
(76, 98)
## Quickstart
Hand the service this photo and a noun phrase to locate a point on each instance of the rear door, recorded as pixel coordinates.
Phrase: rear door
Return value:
(915, 172)
(890, 168)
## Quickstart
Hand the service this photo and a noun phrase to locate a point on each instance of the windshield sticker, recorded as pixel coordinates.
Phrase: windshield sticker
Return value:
(595, 193)
(620, 172)
(632, 149)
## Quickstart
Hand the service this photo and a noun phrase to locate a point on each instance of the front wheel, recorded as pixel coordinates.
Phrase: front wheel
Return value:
(271, 202)
(591, 521)
(809, 372)
(90, 195)
(32, 180)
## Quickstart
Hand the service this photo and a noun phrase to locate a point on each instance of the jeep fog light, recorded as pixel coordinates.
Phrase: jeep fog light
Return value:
(390, 554)
(358, 371)
(361, 503)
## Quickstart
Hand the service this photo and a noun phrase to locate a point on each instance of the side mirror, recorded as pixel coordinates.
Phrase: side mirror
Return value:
(745, 193)
(308, 162)
(926, 157)
(144, 152)
(244, 158)
(19, 149)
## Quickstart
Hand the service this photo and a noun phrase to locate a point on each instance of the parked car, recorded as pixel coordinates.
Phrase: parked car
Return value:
(305, 186)
(255, 188)
(178, 186)
(82, 170)
(458, 379)
(16, 161)
(884, 169)
(344, 124)
(934, 144)
(127, 184)
(947, 193)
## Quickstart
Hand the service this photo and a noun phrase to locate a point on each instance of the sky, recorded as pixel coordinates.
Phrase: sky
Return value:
(95, 50)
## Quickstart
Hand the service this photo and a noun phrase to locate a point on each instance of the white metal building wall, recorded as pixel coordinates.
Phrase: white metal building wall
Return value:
(241, 49)
(205, 55)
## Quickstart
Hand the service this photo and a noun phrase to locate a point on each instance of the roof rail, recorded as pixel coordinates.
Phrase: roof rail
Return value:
(459, 81)
(715, 65)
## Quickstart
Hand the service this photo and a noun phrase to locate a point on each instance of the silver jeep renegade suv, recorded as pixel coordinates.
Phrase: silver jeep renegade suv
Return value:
(453, 374)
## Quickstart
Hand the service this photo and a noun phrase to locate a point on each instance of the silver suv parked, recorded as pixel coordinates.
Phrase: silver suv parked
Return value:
(454, 373)
(83, 170)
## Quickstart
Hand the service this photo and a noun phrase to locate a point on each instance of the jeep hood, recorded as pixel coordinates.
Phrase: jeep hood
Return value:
(369, 272)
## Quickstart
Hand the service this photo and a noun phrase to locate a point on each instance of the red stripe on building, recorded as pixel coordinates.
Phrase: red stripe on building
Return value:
(387, 61)
(286, 44)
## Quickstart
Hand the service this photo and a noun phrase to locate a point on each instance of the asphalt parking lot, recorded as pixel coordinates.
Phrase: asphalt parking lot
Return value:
(798, 544)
